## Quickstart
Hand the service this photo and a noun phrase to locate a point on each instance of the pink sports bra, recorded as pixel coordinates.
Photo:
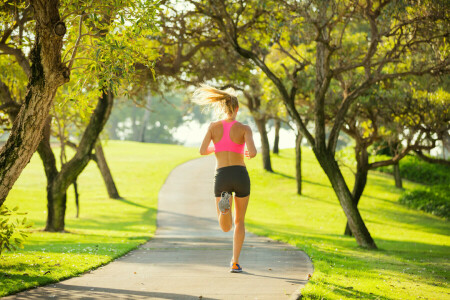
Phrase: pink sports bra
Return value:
(225, 143)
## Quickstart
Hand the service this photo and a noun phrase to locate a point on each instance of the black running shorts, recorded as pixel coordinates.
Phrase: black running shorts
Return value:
(232, 179)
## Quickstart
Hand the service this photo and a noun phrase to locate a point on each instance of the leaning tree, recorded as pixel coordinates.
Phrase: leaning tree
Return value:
(360, 42)
(45, 74)
(103, 43)
(408, 116)
(102, 49)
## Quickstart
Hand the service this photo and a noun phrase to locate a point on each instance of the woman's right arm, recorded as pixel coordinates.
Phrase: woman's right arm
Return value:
(248, 136)
(204, 149)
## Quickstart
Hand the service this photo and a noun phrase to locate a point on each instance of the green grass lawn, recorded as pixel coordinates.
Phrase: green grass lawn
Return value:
(412, 261)
(414, 247)
(106, 228)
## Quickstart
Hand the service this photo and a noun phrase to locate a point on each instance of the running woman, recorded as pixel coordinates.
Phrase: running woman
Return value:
(229, 138)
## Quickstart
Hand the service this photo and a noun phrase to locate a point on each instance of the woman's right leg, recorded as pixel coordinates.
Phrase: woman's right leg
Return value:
(225, 220)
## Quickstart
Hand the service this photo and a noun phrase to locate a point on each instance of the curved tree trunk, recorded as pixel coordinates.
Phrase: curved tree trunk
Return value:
(276, 141)
(70, 171)
(362, 170)
(47, 74)
(298, 162)
(355, 221)
(265, 148)
(100, 159)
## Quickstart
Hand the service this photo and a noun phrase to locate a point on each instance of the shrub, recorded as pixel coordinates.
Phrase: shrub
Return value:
(434, 199)
(415, 169)
(12, 229)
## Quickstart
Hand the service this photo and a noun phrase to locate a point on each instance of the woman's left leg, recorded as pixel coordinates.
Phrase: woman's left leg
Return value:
(225, 220)
(240, 205)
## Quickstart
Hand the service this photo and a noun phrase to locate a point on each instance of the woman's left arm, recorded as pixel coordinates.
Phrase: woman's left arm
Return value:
(204, 149)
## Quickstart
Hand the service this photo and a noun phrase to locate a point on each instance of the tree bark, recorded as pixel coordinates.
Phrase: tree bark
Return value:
(47, 74)
(355, 221)
(276, 141)
(105, 171)
(362, 170)
(49, 162)
(298, 162)
(265, 148)
(77, 197)
(397, 177)
(70, 171)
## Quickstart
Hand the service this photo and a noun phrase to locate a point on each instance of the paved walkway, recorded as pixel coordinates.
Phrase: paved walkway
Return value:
(189, 256)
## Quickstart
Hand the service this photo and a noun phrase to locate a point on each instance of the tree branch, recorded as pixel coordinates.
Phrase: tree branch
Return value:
(431, 159)
(20, 57)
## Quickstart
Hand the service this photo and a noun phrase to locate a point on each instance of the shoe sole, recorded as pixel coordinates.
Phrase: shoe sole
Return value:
(223, 207)
(235, 271)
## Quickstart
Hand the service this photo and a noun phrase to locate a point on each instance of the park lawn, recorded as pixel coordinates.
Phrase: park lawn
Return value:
(106, 228)
(413, 257)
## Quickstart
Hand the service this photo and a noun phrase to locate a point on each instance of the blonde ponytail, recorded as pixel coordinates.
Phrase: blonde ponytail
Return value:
(224, 102)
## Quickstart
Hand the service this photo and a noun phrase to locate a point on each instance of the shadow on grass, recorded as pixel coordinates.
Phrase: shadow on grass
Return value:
(402, 258)
(348, 292)
(21, 281)
(317, 183)
(94, 222)
(109, 222)
(412, 220)
(284, 175)
(124, 200)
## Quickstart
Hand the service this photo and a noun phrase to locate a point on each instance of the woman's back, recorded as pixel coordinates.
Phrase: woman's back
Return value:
(236, 133)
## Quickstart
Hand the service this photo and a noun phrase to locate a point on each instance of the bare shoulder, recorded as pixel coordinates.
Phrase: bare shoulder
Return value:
(244, 127)
(215, 124)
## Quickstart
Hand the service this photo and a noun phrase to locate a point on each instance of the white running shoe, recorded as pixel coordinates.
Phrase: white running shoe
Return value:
(224, 203)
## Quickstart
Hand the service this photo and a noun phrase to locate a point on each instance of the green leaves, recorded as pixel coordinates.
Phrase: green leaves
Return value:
(12, 229)
(105, 42)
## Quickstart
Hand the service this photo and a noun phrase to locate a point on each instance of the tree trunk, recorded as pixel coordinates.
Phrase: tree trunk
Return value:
(77, 197)
(57, 223)
(73, 168)
(47, 74)
(298, 162)
(276, 141)
(265, 148)
(105, 171)
(355, 221)
(362, 170)
(397, 177)
(49, 162)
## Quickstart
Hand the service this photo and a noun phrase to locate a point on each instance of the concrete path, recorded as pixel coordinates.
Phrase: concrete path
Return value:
(189, 256)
